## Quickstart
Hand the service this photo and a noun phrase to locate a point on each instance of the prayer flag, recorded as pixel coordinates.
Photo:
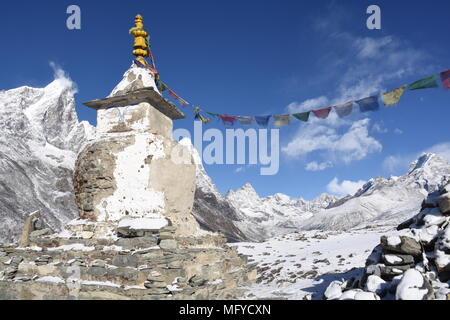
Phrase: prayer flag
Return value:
(183, 102)
(162, 86)
(262, 120)
(304, 116)
(425, 83)
(228, 120)
(393, 97)
(445, 78)
(322, 113)
(245, 120)
(173, 94)
(213, 114)
(368, 104)
(344, 110)
(282, 120)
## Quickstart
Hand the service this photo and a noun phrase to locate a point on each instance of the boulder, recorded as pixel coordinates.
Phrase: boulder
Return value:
(402, 244)
(168, 244)
(444, 203)
(376, 285)
(334, 290)
(397, 259)
(414, 286)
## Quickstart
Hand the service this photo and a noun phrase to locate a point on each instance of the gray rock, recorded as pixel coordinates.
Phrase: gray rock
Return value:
(125, 261)
(389, 272)
(137, 243)
(390, 259)
(407, 246)
(168, 244)
(444, 203)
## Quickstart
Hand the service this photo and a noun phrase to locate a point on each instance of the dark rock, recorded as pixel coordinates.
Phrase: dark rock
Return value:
(407, 246)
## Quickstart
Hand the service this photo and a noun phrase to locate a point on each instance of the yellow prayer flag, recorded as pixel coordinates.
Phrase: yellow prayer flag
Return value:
(393, 97)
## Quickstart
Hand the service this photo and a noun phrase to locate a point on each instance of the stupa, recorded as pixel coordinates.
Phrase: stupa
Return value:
(134, 174)
(135, 237)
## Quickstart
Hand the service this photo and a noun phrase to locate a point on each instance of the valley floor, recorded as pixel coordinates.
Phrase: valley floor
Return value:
(301, 265)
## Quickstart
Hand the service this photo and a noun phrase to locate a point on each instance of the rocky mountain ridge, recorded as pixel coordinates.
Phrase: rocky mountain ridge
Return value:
(40, 138)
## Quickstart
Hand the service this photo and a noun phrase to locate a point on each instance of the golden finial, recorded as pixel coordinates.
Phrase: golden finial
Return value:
(141, 39)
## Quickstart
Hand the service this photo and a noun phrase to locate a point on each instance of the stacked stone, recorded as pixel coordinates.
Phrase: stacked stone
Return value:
(138, 264)
(415, 264)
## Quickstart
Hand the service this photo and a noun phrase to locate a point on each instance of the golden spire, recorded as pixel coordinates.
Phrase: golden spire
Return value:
(141, 39)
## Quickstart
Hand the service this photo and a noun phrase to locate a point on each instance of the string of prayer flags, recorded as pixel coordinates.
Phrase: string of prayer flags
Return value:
(245, 120)
(392, 98)
(228, 120)
(322, 113)
(283, 120)
(368, 104)
(303, 116)
(263, 121)
(344, 110)
(445, 78)
(425, 83)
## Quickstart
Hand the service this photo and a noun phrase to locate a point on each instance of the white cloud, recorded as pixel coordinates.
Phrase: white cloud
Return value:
(240, 169)
(345, 187)
(379, 127)
(371, 47)
(308, 105)
(353, 144)
(398, 131)
(442, 149)
(62, 77)
(314, 166)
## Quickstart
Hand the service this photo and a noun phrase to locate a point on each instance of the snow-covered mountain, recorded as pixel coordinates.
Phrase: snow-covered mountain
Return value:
(262, 218)
(385, 201)
(40, 137)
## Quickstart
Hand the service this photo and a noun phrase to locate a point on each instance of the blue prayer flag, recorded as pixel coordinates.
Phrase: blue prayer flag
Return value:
(368, 104)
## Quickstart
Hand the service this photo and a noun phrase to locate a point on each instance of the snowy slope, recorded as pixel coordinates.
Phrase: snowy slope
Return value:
(387, 201)
(301, 265)
(39, 139)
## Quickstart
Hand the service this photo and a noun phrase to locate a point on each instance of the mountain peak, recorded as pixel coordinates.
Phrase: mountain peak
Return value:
(427, 160)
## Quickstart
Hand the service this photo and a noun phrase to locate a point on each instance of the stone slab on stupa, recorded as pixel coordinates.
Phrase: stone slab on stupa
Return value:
(138, 96)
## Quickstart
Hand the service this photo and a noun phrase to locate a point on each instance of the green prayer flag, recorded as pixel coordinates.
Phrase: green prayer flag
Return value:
(304, 116)
(213, 114)
(162, 86)
(425, 83)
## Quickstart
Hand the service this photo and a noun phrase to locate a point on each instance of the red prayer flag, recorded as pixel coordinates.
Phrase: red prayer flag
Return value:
(445, 78)
(173, 94)
(228, 119)
(322, 113)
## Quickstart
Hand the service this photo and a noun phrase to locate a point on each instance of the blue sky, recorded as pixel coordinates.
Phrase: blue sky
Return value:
(260, 57)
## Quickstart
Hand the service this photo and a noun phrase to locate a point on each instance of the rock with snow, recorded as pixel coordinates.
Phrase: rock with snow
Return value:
(40, 136)
(376, 285)
(444, 203)
(401, 244)
(408, 264)
(413, 286)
